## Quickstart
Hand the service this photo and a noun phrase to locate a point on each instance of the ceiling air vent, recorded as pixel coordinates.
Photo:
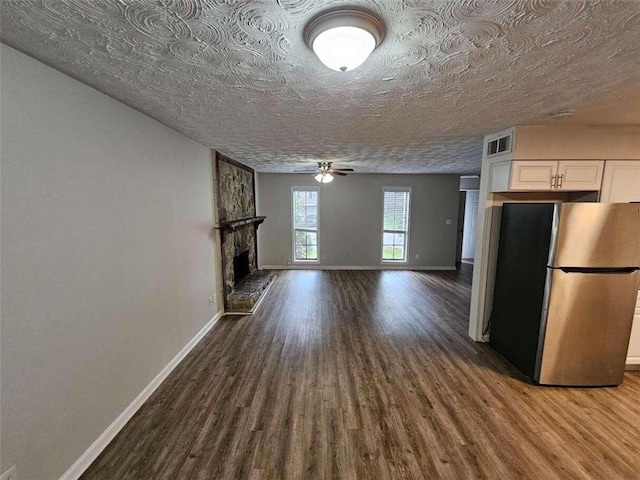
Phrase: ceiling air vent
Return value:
(499, 145)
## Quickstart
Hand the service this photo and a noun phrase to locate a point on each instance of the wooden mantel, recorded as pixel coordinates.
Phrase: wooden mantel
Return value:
(233, 225)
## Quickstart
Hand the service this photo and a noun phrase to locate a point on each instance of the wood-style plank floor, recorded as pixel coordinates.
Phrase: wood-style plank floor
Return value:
(368, 375)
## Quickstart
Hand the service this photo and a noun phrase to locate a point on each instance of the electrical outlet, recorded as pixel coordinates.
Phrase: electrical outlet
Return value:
(417, 256)
(448, 221)
(11, 474)
(211, 301)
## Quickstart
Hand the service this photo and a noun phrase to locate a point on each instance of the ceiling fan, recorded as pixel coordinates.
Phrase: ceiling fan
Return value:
(324, 173)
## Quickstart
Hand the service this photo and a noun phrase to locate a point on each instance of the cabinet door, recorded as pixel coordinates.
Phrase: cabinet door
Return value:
(621, 182)
(532, 174)
(580, 174)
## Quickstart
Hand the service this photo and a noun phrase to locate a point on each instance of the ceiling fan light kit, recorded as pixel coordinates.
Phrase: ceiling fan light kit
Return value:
(324, 177)
(343, 38)
(325, 173)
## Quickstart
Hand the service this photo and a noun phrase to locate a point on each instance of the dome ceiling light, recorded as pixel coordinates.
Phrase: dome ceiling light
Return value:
(343, 38)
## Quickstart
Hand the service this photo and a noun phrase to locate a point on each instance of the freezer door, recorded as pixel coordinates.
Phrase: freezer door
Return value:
(596, 235)
(588, 324)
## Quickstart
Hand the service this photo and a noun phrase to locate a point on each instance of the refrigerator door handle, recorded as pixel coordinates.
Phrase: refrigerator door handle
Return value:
(600, 271)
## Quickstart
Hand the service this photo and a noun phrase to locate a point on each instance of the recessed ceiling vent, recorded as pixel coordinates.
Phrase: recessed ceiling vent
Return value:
(499, 146)
(563, 114)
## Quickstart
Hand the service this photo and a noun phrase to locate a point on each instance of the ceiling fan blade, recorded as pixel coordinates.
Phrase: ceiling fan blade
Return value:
(333, 172)
(342, 170)
(308, 170)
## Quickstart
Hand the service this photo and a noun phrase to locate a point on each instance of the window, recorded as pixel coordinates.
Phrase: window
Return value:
(305, 224)
(395, 224)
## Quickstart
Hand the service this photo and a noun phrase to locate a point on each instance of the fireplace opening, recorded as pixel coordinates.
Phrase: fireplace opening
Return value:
(240, 267)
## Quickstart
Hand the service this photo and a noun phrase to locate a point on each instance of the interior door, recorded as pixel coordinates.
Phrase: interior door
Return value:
(469, 230)
(460, 228)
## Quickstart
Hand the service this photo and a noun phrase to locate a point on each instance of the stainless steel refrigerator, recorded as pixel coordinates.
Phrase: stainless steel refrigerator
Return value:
(567, 278)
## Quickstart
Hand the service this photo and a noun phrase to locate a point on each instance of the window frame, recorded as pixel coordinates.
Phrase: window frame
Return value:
(293, 224)
(406, 233)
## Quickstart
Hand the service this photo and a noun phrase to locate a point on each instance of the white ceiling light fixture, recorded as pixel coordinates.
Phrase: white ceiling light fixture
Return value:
(324, 177)
(343, 38)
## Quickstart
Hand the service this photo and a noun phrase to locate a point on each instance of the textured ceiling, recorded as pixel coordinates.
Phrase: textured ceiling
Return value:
(617, 107)
(236, 75)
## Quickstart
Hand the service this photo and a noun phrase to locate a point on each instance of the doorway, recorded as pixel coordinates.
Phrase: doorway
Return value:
(460, 227)
(469, 225)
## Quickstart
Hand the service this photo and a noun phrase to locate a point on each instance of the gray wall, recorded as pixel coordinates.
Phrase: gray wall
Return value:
(351, 219)
(470, 183)
(107, 262)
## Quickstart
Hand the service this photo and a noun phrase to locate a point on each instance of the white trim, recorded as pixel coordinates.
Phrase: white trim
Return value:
(478, 314)
(354, 267)
(633, 363)
(87, 458)
(10, 474)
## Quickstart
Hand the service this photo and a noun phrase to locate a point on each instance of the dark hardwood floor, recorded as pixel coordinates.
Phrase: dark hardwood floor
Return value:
(368, 375)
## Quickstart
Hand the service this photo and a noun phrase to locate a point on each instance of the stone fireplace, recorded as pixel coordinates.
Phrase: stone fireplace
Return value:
(241, 267)
(238, 223)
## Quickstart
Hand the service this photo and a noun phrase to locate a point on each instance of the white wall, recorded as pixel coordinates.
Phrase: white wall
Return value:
(107, 260)
(351, 219)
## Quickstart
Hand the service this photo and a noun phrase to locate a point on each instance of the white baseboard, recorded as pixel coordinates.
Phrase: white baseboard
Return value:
(633, 363)
(352, 267)
(86, 459)
(10, 474)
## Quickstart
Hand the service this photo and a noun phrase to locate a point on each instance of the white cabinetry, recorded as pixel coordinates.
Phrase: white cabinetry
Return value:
(546, 175)
(531, 175)
(621, 181)
(633, 354)
(582, 175)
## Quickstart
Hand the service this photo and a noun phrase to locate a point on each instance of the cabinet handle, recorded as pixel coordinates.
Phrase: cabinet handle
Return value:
(554, 179)
(559, 185)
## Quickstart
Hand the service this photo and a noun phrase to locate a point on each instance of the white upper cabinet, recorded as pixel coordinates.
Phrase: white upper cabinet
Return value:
(546, 175)
(579, 175)
(533, 174)
(621, 181)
